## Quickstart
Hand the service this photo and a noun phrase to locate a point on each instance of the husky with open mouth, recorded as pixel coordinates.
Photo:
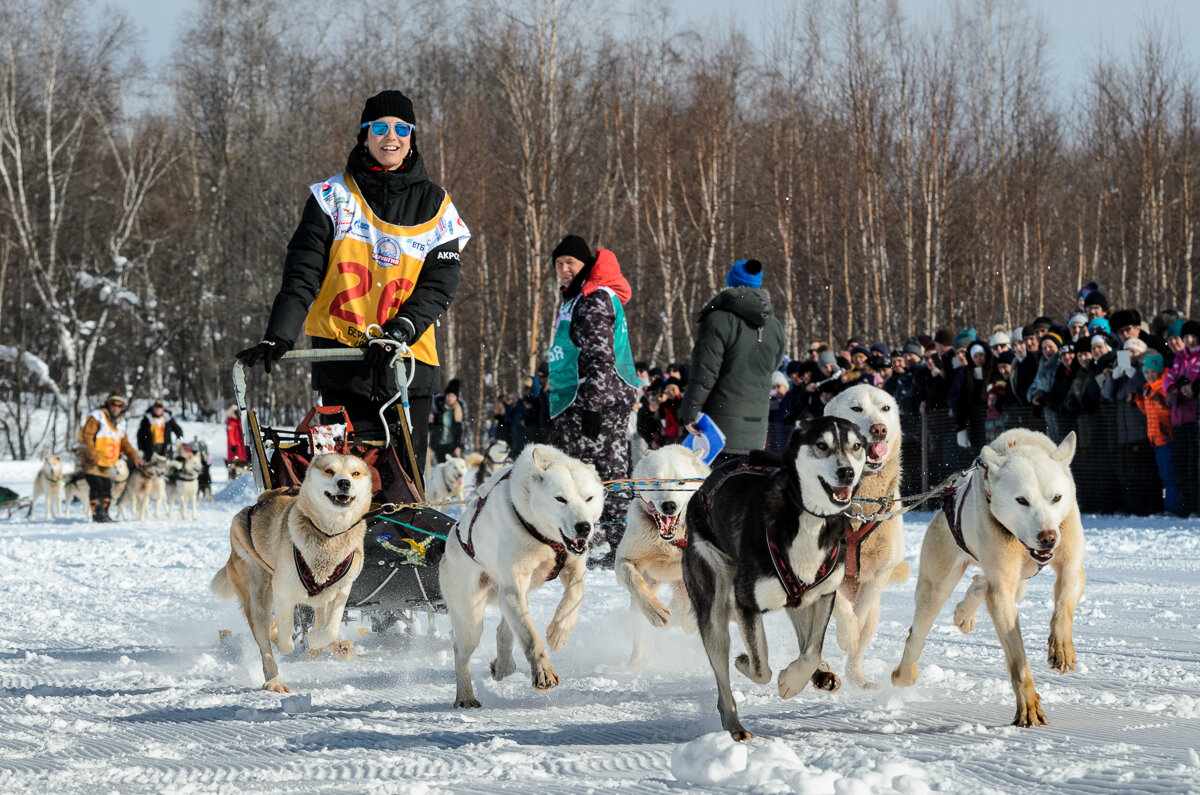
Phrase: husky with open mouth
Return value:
(299, 548)
(651, 551)
(768, 534)
(1014, 514)
(527, 525)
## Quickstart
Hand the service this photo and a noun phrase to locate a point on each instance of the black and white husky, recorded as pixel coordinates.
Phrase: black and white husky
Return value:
(767, 534)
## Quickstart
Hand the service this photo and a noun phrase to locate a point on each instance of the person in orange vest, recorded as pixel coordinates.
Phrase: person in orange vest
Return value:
(156, 432)
(103, 442)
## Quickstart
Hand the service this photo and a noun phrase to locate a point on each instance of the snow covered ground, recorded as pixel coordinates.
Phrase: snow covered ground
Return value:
(112, 678)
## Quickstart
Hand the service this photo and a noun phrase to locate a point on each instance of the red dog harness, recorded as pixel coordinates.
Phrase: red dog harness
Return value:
(560, 551)
(309, 580)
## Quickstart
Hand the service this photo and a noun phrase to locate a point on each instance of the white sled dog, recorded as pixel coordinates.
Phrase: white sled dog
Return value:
(446, 480)
(650, 552)
(146, 483)
(299, 548)
(1011, 516)
(183, 482)
(49, 485)
(527, 525)
(768, 534)
(874, 550)
(76, 488)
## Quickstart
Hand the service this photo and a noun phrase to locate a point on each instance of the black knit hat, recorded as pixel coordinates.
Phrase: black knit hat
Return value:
(1191, 327)
(388, 103)
(453, 386)
(943, 336)
(573, 246)
(1096, 297)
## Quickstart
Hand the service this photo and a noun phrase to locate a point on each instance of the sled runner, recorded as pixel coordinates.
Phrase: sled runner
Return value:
(403, 542)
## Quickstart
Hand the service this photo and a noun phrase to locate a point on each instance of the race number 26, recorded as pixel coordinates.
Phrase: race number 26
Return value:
(391, 296)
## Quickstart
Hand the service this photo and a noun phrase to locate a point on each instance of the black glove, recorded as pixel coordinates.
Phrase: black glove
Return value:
(267, 351)
(381, 351)
(591, 424)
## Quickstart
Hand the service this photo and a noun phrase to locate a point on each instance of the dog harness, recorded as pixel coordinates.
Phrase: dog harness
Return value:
(854, 539)
(954, 519)
(793, 586)
(560, 551)
(309, 580)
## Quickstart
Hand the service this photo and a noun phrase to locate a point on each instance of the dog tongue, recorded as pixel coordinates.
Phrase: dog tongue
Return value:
(842, 494)
(877, 450)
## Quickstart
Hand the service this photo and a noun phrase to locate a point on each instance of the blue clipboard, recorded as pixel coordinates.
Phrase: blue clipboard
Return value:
(711, 439)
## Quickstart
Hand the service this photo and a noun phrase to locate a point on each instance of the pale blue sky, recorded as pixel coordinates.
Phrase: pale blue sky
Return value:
(1077, 28)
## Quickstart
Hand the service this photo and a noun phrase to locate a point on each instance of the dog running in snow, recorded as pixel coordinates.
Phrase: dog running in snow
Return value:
(183, 481)
(527, 525)
(49, 486)
(1014, 514)
(766, 534)
(651, 551)
(145, 483)
(874, 549)
(294, 548)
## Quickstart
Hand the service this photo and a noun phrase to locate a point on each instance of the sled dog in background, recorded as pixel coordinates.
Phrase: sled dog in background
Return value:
(446, 480)
(484, 465)
(183, 481)
(76, 488)
(874, 550)
(526, 526)
(766, 534)
(49, 486)
(146, 483)
(301, 548)
(651, 550)
(1014, 514)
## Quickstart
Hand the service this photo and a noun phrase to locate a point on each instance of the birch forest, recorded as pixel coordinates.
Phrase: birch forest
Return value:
(894, 174)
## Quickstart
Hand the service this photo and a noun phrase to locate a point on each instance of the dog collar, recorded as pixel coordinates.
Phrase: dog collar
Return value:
(468, 546)
(309, 580)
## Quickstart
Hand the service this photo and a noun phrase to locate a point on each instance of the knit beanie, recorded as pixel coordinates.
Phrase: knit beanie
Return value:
(573, 246)
(1080, 318)
(1136, 345)
(778, 379)
(826, 357)
(745, 273)
(1096, 298)
(452, 387)
(388, 103)
(1083, 345)
(1092, 340)
(943, 336)
(1086, 289)
(1153, 361)
(863, 349)
(1191, 327)
(1055, 335)
(914, 346)
(976, 348)
(1042, 322)
(1006, 357)
(1100, 324)
(1175, 329)
(964, 338)
(999, 338)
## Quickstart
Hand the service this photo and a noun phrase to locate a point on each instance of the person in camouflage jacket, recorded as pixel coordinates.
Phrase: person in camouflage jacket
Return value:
(592, 385)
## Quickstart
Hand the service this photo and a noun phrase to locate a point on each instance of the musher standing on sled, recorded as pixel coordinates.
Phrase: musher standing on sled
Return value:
(104, 440)
(593, 382)
(377, 244)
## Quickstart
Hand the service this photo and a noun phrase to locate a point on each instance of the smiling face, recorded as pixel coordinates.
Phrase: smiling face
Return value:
(389, 149)
(1031, 492)
(829, 454)
(567, 267)
(338, 482)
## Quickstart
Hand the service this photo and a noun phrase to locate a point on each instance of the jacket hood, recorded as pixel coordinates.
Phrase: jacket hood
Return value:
(607, 273)
(750, 304)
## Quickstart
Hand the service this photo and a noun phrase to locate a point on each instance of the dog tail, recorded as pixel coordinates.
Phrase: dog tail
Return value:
(221, 585)
(899, 573)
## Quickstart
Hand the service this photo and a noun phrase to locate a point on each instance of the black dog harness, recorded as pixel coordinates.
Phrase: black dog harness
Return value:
(954, 519)
(793, 586)
(560, 550)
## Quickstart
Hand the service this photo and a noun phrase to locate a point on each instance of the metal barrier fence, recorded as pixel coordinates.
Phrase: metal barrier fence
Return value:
(1109, 477)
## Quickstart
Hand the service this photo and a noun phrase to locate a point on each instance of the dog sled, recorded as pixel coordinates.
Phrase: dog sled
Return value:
(403, 542)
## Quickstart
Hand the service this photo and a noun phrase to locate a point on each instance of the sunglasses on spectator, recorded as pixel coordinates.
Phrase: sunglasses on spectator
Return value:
(403, 129)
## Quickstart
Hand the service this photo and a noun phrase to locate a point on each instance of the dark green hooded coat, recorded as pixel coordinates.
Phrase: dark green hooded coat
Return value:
(739, 345)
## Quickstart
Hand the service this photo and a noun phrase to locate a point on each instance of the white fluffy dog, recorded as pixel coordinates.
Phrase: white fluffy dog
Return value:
(1013, 515)
(49, 485)
(650, 552)
(183, 482)
(446, 481)
(527, 525)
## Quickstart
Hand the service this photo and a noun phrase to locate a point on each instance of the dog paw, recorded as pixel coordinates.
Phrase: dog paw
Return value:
(1061, 654)
(544, 677)
(656, 612)
(740, 735)
(557, 634)
(467, 703)
(964, 617)
(793, 679)
(285, 644)
(342, 650)
(502, 668)
(825, 679)
(902, 677)
(275, 686)
(761, 676)
(1030, 713)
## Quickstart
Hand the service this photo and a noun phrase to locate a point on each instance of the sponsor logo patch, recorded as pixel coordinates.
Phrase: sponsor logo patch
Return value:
(387, 252)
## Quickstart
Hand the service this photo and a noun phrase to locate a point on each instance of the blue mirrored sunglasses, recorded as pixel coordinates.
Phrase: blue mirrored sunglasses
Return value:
(403, 129)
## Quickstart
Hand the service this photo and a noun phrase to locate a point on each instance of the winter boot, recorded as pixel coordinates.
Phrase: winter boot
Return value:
(100, 512)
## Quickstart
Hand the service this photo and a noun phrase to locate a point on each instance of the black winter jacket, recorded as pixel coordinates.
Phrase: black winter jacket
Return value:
(404, 197)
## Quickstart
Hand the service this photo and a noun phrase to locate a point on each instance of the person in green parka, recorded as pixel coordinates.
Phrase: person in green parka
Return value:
(740, 343)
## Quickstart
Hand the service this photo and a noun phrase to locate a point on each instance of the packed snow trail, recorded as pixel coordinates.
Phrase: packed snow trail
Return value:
(112, 678)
